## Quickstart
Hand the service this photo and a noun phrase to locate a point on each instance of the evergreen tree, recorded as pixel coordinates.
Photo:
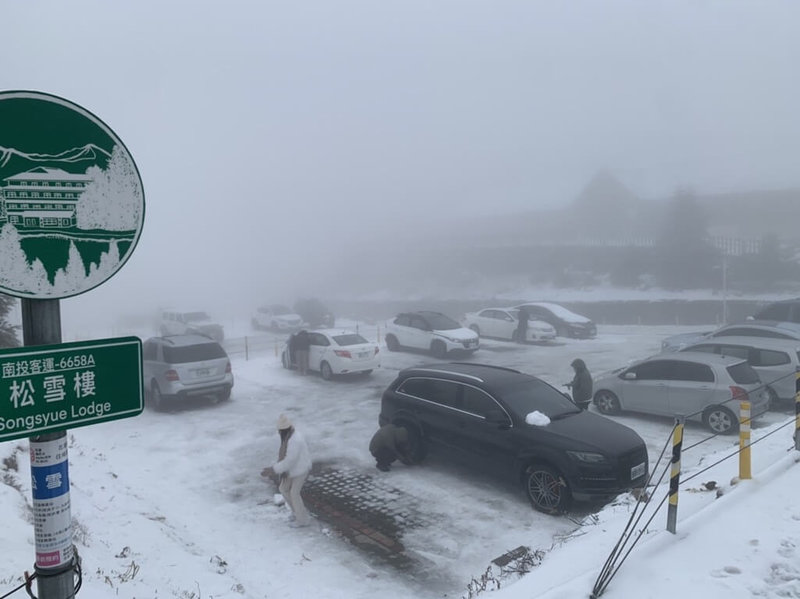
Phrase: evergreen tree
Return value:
(8, 331)
(685, 259)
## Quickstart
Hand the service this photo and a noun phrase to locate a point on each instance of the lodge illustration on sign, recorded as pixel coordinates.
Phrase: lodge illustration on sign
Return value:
(71, 199)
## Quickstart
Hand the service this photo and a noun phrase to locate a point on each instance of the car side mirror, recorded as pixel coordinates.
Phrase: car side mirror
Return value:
(629, 376)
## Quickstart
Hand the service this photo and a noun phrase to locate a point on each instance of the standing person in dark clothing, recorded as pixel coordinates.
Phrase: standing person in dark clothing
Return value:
(581, 384)
(522, 327)
(302, 343)
(390, 443)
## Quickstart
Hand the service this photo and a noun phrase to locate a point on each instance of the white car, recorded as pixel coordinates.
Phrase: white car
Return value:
(176, 322)
(503, 323)
(333, 352)
(431, 331)
(277, 318)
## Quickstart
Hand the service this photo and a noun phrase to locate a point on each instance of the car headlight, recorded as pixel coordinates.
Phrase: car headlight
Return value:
(587, 457)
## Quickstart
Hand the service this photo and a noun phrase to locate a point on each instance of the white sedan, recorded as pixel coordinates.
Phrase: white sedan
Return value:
(334, 352)
(503, 323)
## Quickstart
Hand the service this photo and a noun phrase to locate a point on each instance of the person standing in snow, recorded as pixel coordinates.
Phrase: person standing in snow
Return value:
(302, 344)
(390, 443)
(581, 384)
(522, 326)
(293, 467)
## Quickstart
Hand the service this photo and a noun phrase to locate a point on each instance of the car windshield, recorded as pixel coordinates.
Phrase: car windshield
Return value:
(193, 353)
(529, 395)
(196, 316)
(440, 322)
(349, 339)
(743, 374)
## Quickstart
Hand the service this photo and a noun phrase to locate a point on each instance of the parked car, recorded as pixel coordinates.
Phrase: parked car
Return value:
(502, 323)
(783, 311)
(565, 322)
(431, 331)
(696, 385)
(334, 352)
(314, 313)
(276, 317)
(174, 322)
(770, 329)
(175, 367)
(517, 425)
(776, 361)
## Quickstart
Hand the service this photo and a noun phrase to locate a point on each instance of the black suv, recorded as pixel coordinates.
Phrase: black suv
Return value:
(558, 454)
(783, 310)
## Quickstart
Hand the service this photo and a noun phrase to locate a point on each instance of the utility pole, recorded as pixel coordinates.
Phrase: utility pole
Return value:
(724, 288)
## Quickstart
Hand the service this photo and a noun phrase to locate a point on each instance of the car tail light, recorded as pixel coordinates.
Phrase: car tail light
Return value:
(172, 375)
(738, 393)
(227, 368)
(342, 353)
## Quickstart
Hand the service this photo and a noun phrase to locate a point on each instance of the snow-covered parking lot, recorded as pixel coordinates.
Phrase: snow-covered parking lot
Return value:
(172, 504)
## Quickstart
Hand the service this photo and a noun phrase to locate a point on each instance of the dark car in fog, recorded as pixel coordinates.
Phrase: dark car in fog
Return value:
(314, 313)
(566, 322)
(518, 426)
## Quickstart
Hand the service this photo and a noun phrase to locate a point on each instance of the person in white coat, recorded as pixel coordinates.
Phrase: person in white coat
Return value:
(293, 467)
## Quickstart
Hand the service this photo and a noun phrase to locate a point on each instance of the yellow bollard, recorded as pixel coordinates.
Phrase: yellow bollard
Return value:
(744, 440)
(675, 476)
(797, 412)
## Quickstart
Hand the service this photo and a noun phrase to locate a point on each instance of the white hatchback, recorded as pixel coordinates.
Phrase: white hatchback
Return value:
(334, 352)
(503, 323)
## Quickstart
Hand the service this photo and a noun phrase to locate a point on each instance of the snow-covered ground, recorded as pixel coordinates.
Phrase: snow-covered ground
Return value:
(172, 504)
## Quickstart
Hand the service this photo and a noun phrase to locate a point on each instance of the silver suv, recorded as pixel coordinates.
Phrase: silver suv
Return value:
(180, 366)
(175, 322)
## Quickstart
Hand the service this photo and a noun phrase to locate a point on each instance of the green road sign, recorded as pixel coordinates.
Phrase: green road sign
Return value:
(71, 199)
(55, 387)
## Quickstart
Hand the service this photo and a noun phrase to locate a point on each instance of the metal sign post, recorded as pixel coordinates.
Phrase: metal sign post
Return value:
(55, 559)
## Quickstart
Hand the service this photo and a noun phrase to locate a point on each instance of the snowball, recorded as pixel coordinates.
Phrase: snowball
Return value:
(277, 499)
(537, 419)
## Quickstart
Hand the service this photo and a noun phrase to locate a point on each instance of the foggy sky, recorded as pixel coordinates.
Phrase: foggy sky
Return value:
(271, 135)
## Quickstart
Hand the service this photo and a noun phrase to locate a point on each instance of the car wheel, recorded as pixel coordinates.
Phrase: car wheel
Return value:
(391, 343)
(773, 397)
(438, 349)
(475, 328)
(225, 395)
(325, 371)
(156, 398)
(417, 448)
(721, 420)
(546, 489)
(607, 402)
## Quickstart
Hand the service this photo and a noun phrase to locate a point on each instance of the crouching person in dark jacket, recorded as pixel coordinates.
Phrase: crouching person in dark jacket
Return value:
(390, 443)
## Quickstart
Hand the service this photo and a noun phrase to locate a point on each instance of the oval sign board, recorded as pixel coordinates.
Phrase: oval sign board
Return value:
(71, 198)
